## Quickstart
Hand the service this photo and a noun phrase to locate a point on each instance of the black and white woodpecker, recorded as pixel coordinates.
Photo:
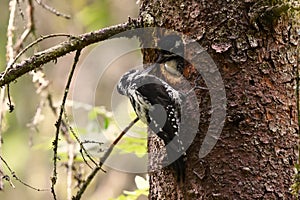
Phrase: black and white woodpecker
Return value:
(158, 104)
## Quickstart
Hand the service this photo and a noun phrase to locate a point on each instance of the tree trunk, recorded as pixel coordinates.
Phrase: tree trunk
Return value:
(254, 45)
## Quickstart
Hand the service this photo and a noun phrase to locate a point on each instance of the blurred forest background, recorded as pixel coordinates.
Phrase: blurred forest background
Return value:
(29, 151)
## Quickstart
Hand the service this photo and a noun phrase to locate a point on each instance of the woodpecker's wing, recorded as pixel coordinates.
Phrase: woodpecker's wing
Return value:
(157, 91)
(155, 94)
(160, 93)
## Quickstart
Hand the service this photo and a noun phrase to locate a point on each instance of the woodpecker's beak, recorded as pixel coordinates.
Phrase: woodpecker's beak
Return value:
(149, 69)
(159, 59)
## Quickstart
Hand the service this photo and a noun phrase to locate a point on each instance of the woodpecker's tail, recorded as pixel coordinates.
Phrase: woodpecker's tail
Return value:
(178, 163)
(179, 167)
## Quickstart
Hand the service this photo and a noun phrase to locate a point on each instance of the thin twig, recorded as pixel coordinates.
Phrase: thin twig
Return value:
(30, 27)
(18, 179)
(102, 160)
(84, 159)
(91, 142)
(58, 123)
(34, 43)
(10, 104)
(81, 144)
(111, 147)
(83, 148)
(52, 10)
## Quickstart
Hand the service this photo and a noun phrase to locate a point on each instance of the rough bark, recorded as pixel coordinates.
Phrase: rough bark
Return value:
(254, 45)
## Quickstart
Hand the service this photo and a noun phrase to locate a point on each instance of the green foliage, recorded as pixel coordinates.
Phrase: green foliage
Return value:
(138, 146)
(100, 111)
(95, 15)
(142, 189)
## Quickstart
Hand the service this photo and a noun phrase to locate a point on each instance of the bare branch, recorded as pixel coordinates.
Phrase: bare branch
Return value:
(6, 177)
(59, 122)
(73, 44)
(42, 38)
(53, 10)
(82, 148)
(30, 27)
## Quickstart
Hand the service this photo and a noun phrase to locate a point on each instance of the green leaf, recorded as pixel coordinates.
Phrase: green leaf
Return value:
(143, 189)
(134, 145)
(106, 122)
(95, 15)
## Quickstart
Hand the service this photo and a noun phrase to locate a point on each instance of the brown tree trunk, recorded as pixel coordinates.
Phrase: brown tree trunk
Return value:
(254, 45)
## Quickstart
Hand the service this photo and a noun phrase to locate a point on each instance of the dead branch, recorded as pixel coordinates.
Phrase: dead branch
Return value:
(72, 44)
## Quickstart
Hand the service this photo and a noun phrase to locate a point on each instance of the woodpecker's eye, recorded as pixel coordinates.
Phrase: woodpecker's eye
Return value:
(171, 67)
(171, 54)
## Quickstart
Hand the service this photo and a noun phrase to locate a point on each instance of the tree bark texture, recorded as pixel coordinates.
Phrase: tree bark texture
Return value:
(254, 45)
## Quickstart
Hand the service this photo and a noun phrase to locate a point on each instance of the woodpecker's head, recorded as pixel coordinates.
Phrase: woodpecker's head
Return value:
(126, 81)
(129, 79)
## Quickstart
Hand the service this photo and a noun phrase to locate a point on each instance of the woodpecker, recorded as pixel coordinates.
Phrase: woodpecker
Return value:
(158, 105)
